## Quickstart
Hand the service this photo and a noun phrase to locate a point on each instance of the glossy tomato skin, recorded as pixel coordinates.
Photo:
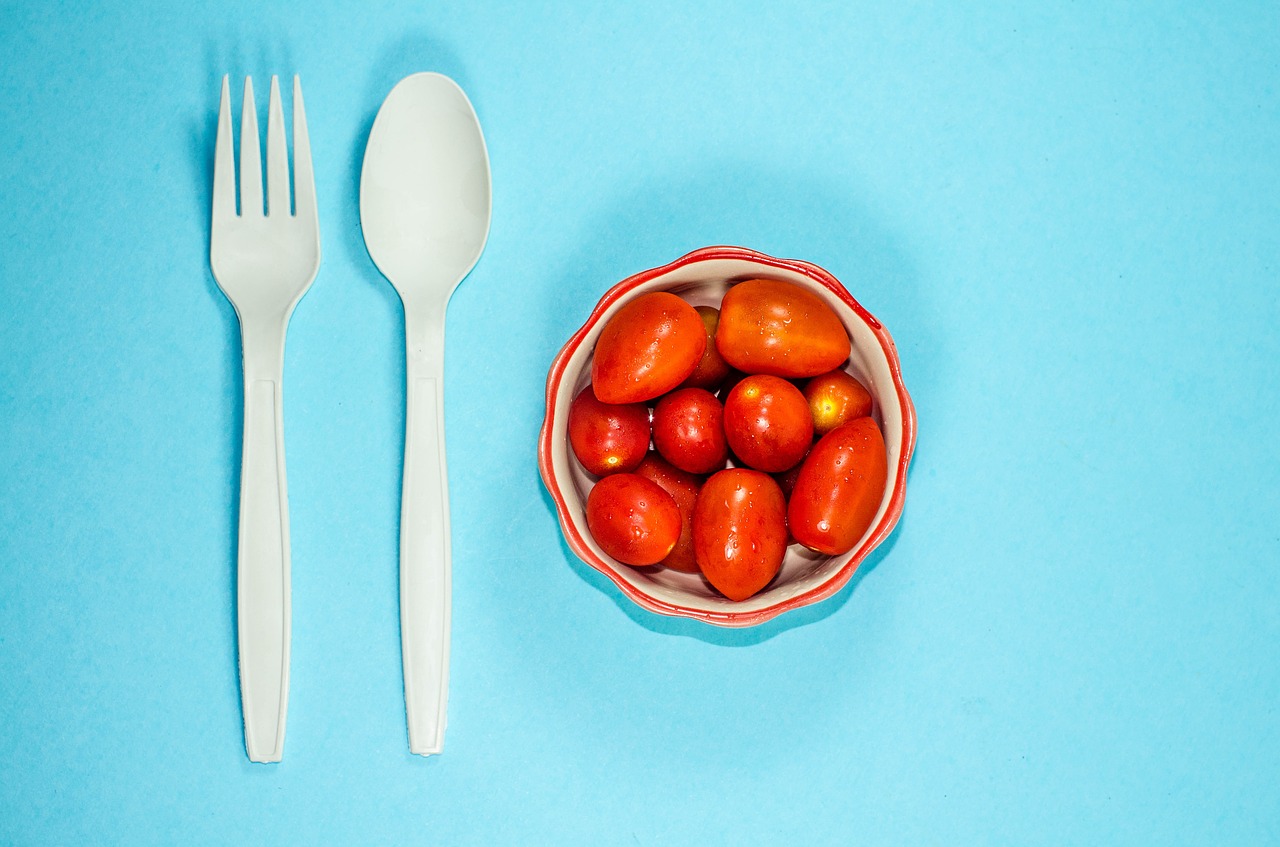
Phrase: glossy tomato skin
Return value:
(647, 348)
(787, 482)
(740, 531)
(633, 519)
(834, 398)
(608, 438)
(772, 327)
(688, 430)
(786, 479)
(839, 488)
(730, 381)
(767, 423)
(683, 488)
(712, 368)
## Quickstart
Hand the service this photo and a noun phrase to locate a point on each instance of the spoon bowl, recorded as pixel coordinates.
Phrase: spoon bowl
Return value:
(425, 187)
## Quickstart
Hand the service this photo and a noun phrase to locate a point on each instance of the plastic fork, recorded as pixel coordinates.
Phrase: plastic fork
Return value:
(264, 261)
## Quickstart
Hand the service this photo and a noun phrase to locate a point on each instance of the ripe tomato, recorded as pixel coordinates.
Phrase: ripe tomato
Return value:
(740, 531)
(633, 519)
(772, 327)
(683, 488)
(607, 438)
(767, 423)
(787, 482)
(786, 479)
(688, 430)
(839, 488)
(834, 398)
(732, 379)
(712, 368)
(647, 348)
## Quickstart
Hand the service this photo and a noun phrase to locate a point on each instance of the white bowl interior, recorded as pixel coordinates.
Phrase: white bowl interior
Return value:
(705, 283)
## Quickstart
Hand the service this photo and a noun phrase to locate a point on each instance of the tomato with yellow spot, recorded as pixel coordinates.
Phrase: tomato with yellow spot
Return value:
(835, 398)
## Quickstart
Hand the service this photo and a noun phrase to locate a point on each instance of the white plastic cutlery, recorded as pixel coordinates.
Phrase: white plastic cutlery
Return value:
(424, 209)
(264, 262)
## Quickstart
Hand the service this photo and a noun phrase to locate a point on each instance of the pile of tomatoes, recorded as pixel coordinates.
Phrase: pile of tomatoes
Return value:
(758, 381)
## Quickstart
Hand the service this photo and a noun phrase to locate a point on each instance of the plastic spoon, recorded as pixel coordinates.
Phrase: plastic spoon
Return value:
(424, 209)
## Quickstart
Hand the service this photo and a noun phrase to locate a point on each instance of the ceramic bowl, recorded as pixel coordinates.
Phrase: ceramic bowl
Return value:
(702, 277)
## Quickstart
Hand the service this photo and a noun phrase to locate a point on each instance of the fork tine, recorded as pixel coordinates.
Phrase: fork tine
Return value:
(304, 184)
(277, 155)
(250, 156)
(224, 169)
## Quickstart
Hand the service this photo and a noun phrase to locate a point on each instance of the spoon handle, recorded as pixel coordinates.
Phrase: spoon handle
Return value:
(424, 538)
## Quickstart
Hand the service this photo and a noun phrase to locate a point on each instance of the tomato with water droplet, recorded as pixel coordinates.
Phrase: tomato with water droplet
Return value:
(768, 326)
(683, 488)
(633, 519)
(647, 348)
(839, 489)
(608, 438)
(712, 368)
(767, 423)
(740, 531)
(688, 430)
(835, 398)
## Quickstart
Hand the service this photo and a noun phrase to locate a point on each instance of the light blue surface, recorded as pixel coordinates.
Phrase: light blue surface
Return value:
(1067, 214)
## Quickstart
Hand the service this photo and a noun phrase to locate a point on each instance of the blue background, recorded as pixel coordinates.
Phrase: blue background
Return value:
(1068, 214)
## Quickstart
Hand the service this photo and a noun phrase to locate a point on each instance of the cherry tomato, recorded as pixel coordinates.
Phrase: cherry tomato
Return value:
(772, 327)
(834, 398)
(647, 348)
(712, 368)
(767, 423)
(786, 479)
(787, 482)
(839, 488)
(740, 531)
(683, 488)
(734, 377)
(688, 430)
(633, 519)
(608, 438)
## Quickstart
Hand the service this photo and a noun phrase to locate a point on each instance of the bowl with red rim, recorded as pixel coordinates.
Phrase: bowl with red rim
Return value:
(702, 278)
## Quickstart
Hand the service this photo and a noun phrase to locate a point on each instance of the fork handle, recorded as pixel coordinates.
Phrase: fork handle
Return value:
(424, 536)
(262, 581)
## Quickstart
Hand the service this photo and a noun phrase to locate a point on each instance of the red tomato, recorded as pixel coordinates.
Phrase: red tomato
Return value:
(688, 430)
(787, 482)
(647, 348)
(633, 519)
(607, 438)
(730, 381)
(712, 368)
(767, 423)
(786, 479)
(834, 398)
(839, 488)
(740, 531)
(683, 488)
(772, 327)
